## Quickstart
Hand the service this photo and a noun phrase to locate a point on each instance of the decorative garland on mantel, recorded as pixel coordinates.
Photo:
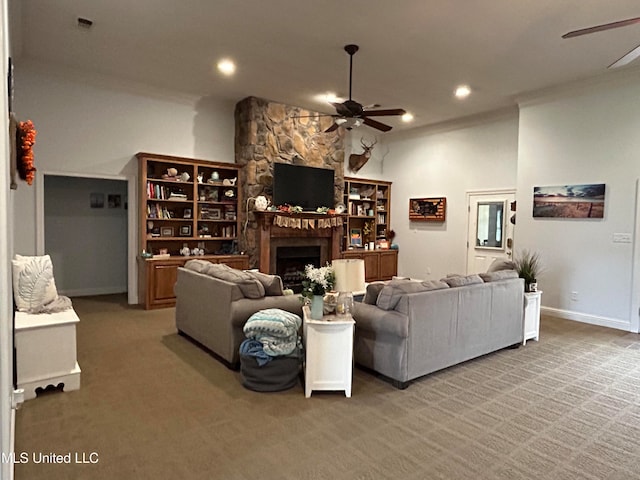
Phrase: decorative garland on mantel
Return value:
(286, 221)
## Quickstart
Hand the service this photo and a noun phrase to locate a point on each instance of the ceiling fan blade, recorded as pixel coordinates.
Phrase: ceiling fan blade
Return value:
(383, 113)
(626, 58)
(332, 128)
(375, 124)
(600, 28)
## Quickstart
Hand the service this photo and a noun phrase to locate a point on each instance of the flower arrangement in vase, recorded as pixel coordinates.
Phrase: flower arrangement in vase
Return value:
(317, 281)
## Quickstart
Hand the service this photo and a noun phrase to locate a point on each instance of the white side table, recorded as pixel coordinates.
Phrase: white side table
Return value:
(531, 316)
(46, 351)
(329, 353)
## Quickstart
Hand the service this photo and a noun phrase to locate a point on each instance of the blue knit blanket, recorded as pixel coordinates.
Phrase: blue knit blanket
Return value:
(276, 329)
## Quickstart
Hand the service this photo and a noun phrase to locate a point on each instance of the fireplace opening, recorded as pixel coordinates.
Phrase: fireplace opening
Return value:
(290, 263)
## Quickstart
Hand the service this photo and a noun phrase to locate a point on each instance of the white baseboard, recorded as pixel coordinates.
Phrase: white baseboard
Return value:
(86, 292)
(587, 318)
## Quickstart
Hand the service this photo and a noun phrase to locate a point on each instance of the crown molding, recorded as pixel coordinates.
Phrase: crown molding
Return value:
(68, 74)
(619, 77)
(460, 123)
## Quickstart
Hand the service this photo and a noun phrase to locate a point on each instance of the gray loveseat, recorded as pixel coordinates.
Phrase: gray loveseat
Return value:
(414, 330)
(214, 301)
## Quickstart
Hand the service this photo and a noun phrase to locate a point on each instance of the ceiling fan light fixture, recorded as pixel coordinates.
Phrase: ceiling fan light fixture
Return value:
(462, 91)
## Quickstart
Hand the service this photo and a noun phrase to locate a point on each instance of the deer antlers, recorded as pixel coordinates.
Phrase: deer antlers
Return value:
(357, 161)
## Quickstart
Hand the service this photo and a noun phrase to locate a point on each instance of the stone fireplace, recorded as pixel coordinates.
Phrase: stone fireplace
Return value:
(269, 132)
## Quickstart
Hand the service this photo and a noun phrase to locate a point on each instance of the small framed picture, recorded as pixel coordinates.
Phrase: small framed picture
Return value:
(187, 213)
(185, 231)
(114, 200)
(356, 237)
(166, 232)
(96, 200)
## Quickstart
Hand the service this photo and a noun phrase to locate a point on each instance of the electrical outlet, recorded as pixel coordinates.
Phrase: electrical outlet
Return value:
(622, 238)
(574, 296)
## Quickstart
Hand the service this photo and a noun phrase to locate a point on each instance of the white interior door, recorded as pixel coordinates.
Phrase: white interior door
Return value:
(490, 231)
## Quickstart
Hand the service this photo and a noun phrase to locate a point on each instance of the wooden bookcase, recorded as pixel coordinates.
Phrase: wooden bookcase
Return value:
(368, 219)
(197, 208)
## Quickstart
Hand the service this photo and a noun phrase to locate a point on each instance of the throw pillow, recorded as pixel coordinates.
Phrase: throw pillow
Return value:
(392, 292)
(373, 290)
(249, 286)
(498, 275)
(272, 283)
(33, 282)
(459, 281)
(499, 264)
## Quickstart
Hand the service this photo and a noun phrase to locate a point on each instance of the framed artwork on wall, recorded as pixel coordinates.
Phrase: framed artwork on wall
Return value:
(569, 201)
(431, 209)
(356, 237)
(96, 200)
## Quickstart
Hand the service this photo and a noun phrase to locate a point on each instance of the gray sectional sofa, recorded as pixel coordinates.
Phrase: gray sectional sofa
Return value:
(411, 329)
(214, 301)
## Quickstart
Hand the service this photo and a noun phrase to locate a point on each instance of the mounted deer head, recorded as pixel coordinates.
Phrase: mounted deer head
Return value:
(357, 161)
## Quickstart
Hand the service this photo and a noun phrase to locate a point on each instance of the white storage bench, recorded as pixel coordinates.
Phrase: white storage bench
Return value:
(46, 351)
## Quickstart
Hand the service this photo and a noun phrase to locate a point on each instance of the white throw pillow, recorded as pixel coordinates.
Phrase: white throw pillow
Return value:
(33, 283)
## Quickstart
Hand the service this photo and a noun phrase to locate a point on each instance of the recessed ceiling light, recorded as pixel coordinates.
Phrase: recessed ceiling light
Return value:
(407, 117)
(226, 67)
(463, 91)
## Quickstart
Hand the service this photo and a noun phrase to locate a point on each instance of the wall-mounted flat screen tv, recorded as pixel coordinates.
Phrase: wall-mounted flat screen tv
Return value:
(307, 187)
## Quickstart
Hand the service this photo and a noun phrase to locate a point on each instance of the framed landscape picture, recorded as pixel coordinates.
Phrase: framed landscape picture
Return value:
(166, 232)
(431, 209)
(569, 201)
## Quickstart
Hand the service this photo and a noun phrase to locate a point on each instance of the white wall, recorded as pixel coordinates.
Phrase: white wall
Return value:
(94, 125)
(445, 163)
(7, 415)
(586, 136)
(88, 246)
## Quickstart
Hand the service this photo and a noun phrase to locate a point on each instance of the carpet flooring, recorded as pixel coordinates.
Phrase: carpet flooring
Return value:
(152, 405)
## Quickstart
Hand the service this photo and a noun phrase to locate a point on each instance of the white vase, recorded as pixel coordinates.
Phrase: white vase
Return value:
(317, 306)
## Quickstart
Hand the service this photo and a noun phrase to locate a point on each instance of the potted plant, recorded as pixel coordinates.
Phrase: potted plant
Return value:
(528, 266)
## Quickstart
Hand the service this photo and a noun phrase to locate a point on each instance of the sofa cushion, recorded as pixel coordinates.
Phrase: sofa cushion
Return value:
(500, 264)
(460, 281)
(249, 286)
(392, 292)
(498, 275)
(272, 283)
(373, 290)
(33, 283)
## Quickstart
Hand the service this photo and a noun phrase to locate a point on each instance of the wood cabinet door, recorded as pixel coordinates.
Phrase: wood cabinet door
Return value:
(163, 280)
(388, 265)
(371, 267)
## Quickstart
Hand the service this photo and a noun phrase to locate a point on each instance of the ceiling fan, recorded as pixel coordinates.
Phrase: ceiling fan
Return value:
(352, 114)
(626, 58)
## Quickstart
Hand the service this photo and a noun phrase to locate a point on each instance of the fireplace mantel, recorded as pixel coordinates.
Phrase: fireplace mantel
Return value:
(269, 231)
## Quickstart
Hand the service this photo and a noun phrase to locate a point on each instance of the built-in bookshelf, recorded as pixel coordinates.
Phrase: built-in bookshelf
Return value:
(186, 206)
(368, 205)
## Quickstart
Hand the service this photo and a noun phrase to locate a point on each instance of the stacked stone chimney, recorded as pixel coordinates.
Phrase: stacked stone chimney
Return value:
(269, 132)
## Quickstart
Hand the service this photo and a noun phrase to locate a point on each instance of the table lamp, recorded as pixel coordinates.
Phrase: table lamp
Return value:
(349, 278)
